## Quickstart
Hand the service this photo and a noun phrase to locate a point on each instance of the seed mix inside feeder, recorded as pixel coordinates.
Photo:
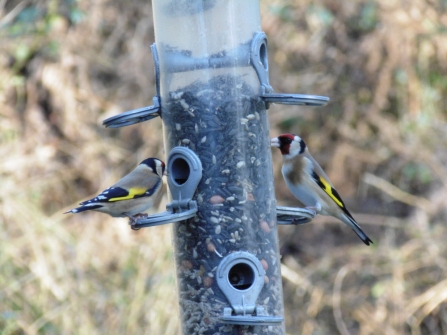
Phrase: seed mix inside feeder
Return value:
(224, 122)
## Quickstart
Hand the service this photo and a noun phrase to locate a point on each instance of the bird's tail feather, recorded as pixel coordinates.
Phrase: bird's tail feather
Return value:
(356, 228)
(82, 209)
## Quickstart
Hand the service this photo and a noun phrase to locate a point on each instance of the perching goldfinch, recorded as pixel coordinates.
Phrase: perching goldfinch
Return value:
(130, 196)
(308, 182)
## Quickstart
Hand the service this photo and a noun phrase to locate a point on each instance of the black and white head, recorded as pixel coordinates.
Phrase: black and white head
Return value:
(157, 166)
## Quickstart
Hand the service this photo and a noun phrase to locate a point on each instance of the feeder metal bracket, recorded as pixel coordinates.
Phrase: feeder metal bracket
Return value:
(259, 61)
(240, 276)
(180, 61)
(260, 319)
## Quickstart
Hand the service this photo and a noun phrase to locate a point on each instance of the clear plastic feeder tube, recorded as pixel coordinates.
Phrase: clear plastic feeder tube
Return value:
(210, 104)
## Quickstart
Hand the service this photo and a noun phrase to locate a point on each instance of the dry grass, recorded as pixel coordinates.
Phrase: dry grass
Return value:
(66, 66)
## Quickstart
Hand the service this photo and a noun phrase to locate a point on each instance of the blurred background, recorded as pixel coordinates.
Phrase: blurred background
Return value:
(66, 65)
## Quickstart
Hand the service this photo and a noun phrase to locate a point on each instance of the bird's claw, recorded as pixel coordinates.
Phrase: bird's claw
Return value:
(133, 220)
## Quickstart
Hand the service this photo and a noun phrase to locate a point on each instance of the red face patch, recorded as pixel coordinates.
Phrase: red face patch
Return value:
(284, 143)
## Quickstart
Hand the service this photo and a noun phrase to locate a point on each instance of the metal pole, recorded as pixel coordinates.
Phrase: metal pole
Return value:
(227, 258)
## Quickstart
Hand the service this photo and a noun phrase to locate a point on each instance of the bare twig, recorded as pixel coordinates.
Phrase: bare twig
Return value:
(336, 298)
(428, 300)
(295, 278)
(366, 219)
(13, 13)
(397, 193)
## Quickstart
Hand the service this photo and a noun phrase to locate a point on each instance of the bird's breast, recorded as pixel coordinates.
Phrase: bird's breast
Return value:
(293, 170)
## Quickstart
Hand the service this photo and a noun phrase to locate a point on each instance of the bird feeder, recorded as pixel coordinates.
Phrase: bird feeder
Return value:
(213, 92)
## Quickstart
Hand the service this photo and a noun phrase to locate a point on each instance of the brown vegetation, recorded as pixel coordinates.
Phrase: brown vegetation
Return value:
(65, 66)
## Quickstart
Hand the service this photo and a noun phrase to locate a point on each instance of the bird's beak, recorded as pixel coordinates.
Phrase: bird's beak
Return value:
(274, 142)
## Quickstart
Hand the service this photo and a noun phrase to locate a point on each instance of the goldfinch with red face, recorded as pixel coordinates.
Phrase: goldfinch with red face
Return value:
(309, 184)
(130, 196)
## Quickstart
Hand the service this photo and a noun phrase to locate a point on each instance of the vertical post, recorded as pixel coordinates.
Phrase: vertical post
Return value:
(227, 256)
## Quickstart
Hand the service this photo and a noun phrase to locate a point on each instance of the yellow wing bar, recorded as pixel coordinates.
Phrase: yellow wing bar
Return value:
(133, 192)
(325, 186)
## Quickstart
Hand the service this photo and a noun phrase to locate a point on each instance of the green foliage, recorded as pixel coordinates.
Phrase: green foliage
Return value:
(323, 15)
(282, 12)
(418, 173)
(368, 16)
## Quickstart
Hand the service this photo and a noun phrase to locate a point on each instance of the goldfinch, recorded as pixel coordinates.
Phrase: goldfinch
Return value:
(309, 184)
(130, 196)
